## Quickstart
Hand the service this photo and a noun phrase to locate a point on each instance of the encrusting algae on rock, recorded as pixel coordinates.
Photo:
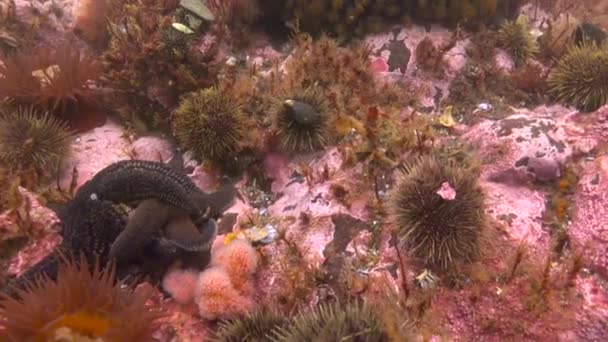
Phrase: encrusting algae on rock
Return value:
(260, 170)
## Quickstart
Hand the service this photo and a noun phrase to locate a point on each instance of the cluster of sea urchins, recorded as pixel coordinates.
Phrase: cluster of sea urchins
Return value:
(84, 303)
(352, 321)
(438, 210)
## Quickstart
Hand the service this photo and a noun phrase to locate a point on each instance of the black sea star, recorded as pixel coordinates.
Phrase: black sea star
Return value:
(135, 180)
(89, 227)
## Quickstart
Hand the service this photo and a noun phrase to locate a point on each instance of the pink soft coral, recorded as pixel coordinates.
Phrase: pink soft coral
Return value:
(240, 260)
(180, 284)
(217, 298)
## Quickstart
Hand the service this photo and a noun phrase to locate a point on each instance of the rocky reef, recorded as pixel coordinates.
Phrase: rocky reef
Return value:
(252, 170)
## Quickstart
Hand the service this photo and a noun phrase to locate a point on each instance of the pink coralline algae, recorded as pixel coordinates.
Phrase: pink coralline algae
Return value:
(446, 191)
(93, 151)
(589, 228)
(529, 143)
(40, 224)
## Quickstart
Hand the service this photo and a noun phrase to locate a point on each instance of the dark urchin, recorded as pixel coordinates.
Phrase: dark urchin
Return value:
(334, 322)
(301, 120)
(30, 140)
(438, 229)
(210, 124)
(257, 327)
(580, 78)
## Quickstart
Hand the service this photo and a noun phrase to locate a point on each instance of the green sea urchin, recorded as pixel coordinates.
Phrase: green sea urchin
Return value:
(580, 77)
(30, 140)
(257, 327)
(302, 121)
(334, 322)
(210, 124)
(515, 37)
(439, 227)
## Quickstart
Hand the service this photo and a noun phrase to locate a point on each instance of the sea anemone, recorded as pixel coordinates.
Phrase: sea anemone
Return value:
(438, 210)
(255, 327)
(79, 304)
(301, 121)
(56, 81)
(91, 20)
(29, 140)
(334, 322)
(515, 37)
(210, 123)
(580, 77)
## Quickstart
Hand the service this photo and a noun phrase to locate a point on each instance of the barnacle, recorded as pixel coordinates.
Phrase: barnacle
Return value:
(32, 140)
(85, 301)
(580, 77)
(515, 37)
(210, 123)
(438, 229)
(56, 81)
(302, 120)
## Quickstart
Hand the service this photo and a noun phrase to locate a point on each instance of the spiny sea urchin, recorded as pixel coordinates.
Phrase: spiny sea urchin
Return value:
(79, 304)
(256, 327)
(580, 77)
(210, 123)
(301, 120)
(440, 227)
(334, 322)
(32, 140)
(515, 37)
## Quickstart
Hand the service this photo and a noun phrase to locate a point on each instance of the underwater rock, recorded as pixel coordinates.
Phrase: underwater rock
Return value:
(152, 148)
(39, 220)
(93, 151)
(526, 143)
(589, 228)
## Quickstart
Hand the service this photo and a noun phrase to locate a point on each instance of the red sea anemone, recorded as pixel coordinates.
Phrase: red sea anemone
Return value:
(83, 301)
(56, 81)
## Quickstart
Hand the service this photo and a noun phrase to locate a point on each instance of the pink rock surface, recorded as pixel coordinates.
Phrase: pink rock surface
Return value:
(93, 151)
(454, 59)
(589, 228)
(42, 228)
(527, 143)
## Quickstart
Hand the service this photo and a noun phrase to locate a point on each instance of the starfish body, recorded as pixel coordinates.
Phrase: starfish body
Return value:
(135, 180)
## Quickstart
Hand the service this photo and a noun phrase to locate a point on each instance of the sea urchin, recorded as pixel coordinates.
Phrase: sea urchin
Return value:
(515, 37)
(334, 322)
(255, 327)
(580, 77)
(32, 140)
(438, 210)
(301, 121)
(80, 304)
(210, 124)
